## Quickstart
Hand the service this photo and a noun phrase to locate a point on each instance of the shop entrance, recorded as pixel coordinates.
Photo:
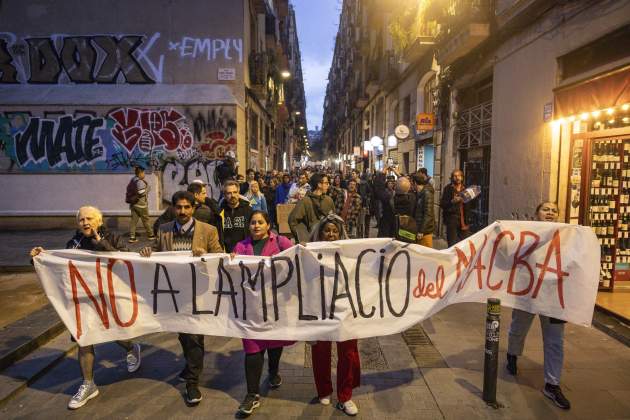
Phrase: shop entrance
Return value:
(599, 196)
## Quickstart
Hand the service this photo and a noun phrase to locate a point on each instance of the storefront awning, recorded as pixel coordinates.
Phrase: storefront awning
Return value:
(605, 91)
(119, 94)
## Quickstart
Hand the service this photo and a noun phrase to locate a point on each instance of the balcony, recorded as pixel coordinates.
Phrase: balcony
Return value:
(464, 41)
(418, 47)
(258, 69)
(390, 71)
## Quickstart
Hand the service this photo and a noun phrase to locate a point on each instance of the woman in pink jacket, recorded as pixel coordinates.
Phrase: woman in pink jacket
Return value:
(263, 242)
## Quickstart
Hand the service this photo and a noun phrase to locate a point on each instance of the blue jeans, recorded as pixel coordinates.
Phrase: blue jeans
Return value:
(553, 339)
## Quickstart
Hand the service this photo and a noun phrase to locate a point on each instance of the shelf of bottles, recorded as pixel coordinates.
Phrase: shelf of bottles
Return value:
(609, 209)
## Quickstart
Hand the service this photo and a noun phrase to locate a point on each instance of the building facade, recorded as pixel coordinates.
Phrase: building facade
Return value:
(88, 92)
(530, 99)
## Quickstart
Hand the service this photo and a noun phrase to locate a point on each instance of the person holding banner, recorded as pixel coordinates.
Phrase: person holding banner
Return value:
(552, 331)
(187, 234)
(92, 236)
(261, 242)
(331, 228)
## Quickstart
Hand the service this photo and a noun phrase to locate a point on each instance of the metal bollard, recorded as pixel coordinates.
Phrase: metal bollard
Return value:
(491, 356)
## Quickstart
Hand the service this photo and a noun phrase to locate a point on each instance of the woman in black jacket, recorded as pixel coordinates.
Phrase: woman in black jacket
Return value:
(91, 235)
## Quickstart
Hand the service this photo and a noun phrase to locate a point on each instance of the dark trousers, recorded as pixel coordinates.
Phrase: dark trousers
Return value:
(254, 365)
(454, 234)
(192, 345)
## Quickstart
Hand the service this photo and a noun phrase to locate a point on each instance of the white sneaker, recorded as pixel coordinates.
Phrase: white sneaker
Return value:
(133, 358)
(348, 407)
(325, 400)
(86, 392)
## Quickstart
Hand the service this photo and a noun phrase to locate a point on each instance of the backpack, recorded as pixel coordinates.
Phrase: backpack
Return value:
(131, 195)
(405, 228)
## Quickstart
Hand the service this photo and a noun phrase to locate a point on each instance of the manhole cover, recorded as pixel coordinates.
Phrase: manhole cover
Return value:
(370, 354)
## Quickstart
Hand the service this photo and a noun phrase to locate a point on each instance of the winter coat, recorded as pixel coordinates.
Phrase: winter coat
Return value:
(109, 242)
(274, 245)
(307, 213)
(425, 215)
(282, 193)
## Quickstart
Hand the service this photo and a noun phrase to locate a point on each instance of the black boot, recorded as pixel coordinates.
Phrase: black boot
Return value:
(554, 393)
(511, 364)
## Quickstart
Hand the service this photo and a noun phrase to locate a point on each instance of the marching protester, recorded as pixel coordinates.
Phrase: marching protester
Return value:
(337, 193)
(383, 193)
(552, 332)
(137, 197)
(187, 234)
(263, 242)
(350, 209)
(250, 175)
(404, 204)
(311, 208)
(300, 189)
(92, 235)
(269, 190)
(256, 198)
(454, 210)
(331, 228)
(236, 213)
(282, 190)
(425, 218)
(227, 169)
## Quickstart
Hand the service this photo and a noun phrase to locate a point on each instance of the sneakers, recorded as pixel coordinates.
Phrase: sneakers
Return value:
(249, 404)
(193, 396)
(132, 239)
(151, 238)
(133, 358)
(554, 393)
(86, 392)
(511, 364)
(348, 407)
(275, 381)
(325, 400)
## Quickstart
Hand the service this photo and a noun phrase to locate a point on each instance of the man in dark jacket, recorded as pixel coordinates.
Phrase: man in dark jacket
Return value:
(425, 218)
(454, 211)
(404, 205)
(236, 214)
(308, 211)
(92, 235)
(383, 191)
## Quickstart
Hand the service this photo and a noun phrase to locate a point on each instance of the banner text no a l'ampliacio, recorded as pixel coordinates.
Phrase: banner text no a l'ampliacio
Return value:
(326, 291)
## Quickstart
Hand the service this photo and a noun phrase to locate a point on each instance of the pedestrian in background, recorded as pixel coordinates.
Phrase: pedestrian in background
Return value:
(137, 196)
(425, 215)
(92, 235)
(552, 332)
(454, 210)
(256, 198)
(311, 208)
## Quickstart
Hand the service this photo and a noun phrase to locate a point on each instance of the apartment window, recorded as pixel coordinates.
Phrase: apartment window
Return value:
(406, 111)
(597, 53)
(253, 130)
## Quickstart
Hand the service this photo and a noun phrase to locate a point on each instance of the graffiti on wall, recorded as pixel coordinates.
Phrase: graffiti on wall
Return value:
(182, 144)
(104, 58)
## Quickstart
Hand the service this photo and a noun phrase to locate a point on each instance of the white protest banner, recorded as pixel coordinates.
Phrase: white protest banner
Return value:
(327, 291)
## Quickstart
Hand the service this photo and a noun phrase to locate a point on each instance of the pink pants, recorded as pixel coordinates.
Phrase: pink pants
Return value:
(348, 369)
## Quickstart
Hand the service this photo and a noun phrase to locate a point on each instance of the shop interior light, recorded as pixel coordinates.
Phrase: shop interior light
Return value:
(625, 107)
(572, 118)
(367, 146)
(611, 121)
(595, 114)
(610, 111)
(626, 120)
(584, 116)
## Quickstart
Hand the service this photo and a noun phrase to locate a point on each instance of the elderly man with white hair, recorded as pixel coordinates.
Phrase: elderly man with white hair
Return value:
(92, 235)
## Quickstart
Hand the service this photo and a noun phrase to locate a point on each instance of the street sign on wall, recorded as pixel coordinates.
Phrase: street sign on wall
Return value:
(402, 132)
(425, 122)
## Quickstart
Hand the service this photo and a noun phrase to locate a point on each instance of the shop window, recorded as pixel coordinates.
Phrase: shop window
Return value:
(602, 51)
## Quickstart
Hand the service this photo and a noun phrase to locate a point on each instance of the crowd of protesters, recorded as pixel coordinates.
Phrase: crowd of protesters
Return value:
(328, 205)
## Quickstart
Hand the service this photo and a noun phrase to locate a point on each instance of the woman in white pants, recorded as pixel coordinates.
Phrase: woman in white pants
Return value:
(552, 331)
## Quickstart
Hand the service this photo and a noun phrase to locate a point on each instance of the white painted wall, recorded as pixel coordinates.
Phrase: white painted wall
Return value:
(63, 194)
